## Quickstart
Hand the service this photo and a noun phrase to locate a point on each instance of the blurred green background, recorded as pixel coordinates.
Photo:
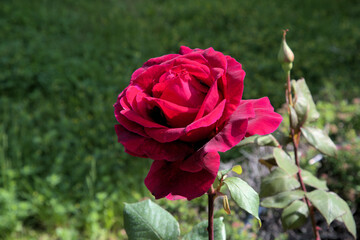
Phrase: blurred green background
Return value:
(62, 64)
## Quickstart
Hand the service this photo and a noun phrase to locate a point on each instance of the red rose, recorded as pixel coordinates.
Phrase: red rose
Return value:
(182, 109)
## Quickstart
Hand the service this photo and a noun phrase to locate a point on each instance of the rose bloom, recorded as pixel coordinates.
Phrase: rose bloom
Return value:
(181, 110)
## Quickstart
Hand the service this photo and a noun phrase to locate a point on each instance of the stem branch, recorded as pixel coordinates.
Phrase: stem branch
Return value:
(295, 136)
(211, 197)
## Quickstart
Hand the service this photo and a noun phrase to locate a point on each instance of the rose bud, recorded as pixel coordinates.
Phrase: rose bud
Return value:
(285, 55)
(181, 110)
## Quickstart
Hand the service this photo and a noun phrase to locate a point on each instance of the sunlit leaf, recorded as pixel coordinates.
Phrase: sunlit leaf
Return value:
(293, 117)
(302, 109)
(285, 162)
(199, 232)
(266, 140)
(247, 141)
(313, 181)
(328, 204)
(147, 220)
(305, 104)
(283, 199)
(244, 195)
(347, 218)
(295, 215)
(319, 140)
(222, 173)
(277, 181)
(237, 169)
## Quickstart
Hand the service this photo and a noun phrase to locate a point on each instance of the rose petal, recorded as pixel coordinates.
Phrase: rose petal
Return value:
(176, 116)
(149, 77)
(211, 100)
(131, 93)
(130, 125)
(201, 160)
(133, 116)
(233, 87)
(200, 71)
(265, 120)
(234, 130)
(153, 61)
(217, 73)
(185, 50)
(197, 56)
(174, 197)
(215, 59)
(147, 147)
(261, 103)
(203, 128)
(166, 178)
(178, 90)
(160, 60)
(165, 134)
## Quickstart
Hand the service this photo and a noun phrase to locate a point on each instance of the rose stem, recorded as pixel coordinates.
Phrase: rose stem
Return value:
(295, 140)
(211, 197)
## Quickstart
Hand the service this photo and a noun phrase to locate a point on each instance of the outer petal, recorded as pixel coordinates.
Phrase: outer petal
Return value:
(233, 86)
(265, 120)
(174, 197)
(165, 134)
(211, 100)
(148, 148)
(234, 130)
(152, 61)
(215, 59)
(149, 77)
(160, 60)
(185, 50)
(202, 128)
(166, 178)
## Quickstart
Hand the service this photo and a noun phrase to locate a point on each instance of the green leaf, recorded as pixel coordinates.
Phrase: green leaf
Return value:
(222, 173)
(237, 169)
(302, 110)
(294, 118)
(147, 221)
(266, 140)
(285, 162)
(295, 215)
(277, 181)
(283, 199)
(247, 141)
(199, 232)
(313, 181)
(304, 106)
(244, 195)
(328, 204)
(347, 218)
(319, 140)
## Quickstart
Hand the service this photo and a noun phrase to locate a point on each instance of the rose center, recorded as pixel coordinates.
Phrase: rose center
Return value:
(158, 116)
(179, 87)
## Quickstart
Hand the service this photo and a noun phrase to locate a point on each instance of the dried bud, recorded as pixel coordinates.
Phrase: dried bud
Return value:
(226, 205)
(285, 55)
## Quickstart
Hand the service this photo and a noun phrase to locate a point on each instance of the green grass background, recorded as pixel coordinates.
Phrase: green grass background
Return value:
(62, 64)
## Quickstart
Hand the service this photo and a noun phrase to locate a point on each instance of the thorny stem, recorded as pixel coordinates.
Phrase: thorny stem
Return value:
(295, 135)
(211, 197)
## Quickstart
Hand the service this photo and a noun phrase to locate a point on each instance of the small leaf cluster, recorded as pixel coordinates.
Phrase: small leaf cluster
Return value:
(240, 192)
(282, 187)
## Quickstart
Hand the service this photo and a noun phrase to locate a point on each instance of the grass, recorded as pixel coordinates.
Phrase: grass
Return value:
(62, 64)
